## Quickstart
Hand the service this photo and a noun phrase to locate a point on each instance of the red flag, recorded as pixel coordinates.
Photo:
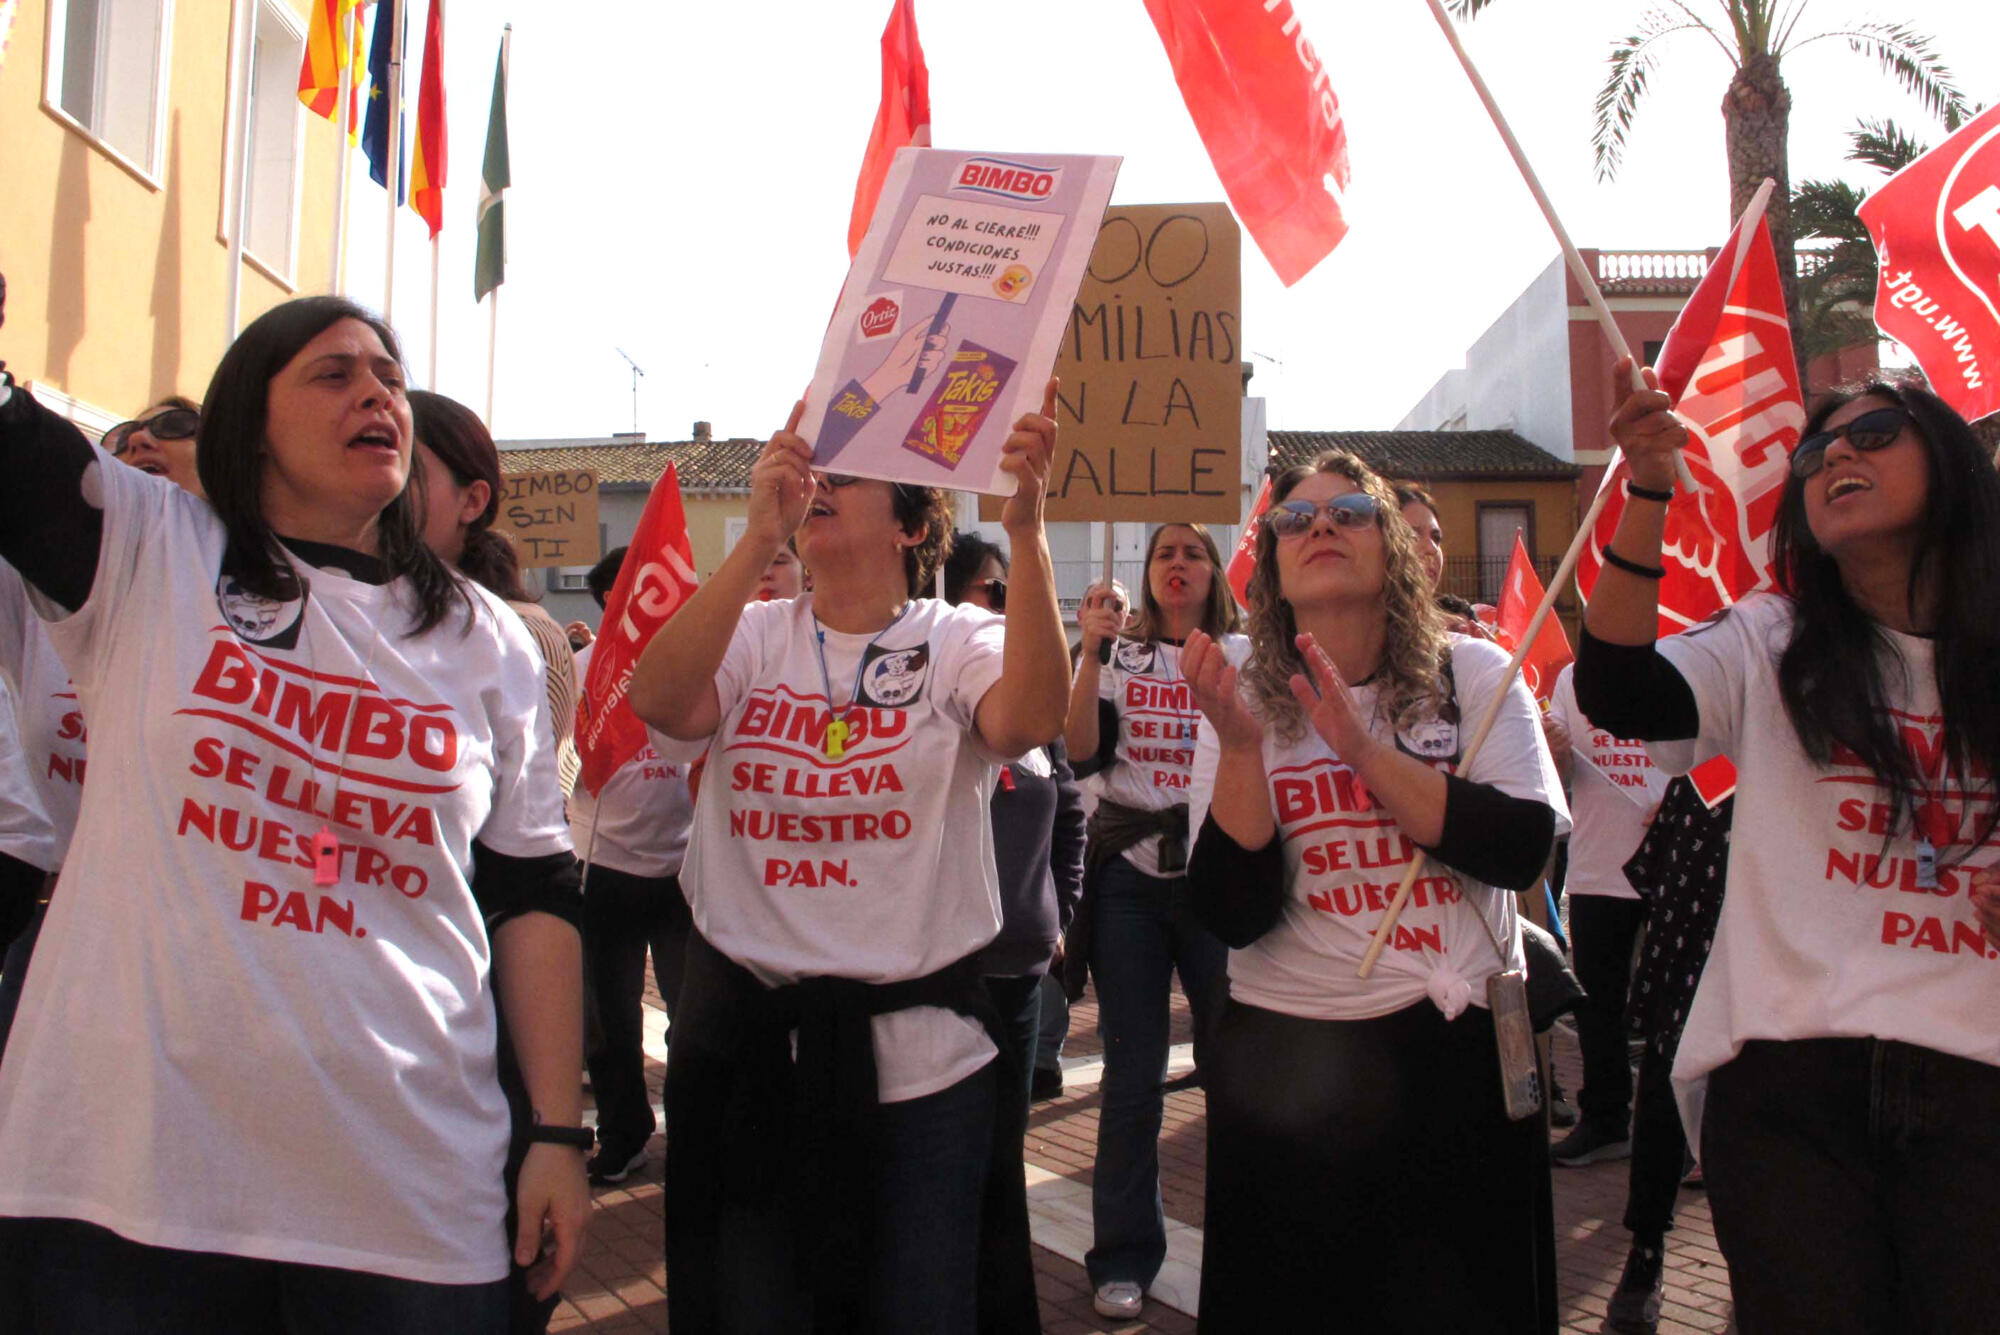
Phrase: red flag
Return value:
(1728, 365)
(902, 121)
(427, 167)
(1260, 100)
(1518, 601)
(1713, 780)
(325, 58)
(656, 579)
(1936, 228)
(1245, 558)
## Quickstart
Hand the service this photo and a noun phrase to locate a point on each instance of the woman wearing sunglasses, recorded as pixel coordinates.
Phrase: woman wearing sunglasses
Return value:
(161, 442)
(1038, 854)
(1132, 724)
(1357, 1130)
(831, 1083)
(1840, 1057)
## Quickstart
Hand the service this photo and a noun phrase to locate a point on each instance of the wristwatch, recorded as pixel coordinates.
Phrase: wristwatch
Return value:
(576, 1137)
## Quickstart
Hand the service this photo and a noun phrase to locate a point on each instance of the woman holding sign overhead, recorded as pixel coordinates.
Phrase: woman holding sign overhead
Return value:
(1132, 723)
(831, 1082)
(1358, 1130)
(1841, 1060)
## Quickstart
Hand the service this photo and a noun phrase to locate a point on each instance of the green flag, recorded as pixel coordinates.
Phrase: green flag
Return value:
(489, 270)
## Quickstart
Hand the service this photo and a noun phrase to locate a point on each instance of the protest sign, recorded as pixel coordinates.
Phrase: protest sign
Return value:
(952, 314)
(1151, 404)
(552, 516)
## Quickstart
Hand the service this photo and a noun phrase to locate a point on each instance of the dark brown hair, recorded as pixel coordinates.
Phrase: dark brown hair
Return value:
(461, 442)
(1218, 614)
(926, 511)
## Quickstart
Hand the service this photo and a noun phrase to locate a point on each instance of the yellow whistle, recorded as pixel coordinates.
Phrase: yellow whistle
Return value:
(836, 738)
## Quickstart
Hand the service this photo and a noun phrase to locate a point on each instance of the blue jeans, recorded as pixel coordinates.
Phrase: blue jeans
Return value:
(65, 1277)
(1054, 1026)
(1146, 931)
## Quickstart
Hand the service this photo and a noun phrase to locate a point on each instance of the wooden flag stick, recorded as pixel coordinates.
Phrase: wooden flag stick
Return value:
(1563, 572)
(1585, 279)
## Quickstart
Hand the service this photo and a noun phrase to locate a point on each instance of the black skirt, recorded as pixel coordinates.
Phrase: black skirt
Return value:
(1363, 1175)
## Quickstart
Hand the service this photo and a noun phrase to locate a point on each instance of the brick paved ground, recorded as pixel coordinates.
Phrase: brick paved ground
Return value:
(620, 1286)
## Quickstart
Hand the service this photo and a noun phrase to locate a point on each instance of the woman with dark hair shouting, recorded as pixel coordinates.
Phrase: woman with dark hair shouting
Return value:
(320, 819)
(1357, 1128)
(1838, 1064)
(831, 1085)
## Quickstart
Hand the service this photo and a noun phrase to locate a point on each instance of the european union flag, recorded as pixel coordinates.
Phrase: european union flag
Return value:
(375, 128)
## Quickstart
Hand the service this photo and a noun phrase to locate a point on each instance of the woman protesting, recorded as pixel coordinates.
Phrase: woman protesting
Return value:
(320, 820)
(1358, 1131)
(1132, 724)
(841, 879)
(1839, 1061)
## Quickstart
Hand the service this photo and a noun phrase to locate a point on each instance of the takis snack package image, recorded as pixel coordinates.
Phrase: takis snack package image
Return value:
(959, 403)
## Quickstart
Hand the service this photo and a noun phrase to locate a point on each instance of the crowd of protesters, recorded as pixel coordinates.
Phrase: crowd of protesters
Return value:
(299, 986)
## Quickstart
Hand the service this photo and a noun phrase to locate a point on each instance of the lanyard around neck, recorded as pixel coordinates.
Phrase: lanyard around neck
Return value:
(837, 728)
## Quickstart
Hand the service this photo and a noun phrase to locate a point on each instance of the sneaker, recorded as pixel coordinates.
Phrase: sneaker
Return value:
(1588, 1144)
(1635, 1305)
(1119, 1298)
(1562, 1113)
(611, 1164)
(1047, 1083)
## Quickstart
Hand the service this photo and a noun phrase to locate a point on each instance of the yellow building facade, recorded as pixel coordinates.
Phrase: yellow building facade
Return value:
(120, 124)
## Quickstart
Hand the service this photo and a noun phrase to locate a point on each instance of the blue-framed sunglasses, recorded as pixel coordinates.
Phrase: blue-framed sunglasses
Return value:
(1867, 433)
(1354, 509)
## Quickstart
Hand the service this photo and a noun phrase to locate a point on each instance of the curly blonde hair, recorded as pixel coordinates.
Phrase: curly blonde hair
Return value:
(1411, 674)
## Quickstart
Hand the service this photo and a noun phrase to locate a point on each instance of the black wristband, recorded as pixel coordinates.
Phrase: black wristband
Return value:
(1612, 558)
(576, 1137)
(1648, 493)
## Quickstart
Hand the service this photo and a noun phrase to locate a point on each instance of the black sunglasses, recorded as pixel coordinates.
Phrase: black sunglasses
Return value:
(1867, 433)
(835, 481)
(173, 424)
(995, 591)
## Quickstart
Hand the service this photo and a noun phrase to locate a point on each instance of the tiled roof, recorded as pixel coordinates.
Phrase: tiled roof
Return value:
(1428, 455)
(703, 465)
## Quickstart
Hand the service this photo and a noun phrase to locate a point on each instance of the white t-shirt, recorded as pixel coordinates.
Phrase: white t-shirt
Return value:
(1825, 932)
(214, 1052)
(1614, 786)
(52, 735)
(1157, 727)
(877, 865)
(1345, 856)
(25, 832)
(642, 816)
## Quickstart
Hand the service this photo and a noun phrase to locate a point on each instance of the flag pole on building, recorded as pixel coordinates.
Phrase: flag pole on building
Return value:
(1586, 281)
(489, 267)
(241, 170)
(392, 10)
(428, 161)
(344, 149)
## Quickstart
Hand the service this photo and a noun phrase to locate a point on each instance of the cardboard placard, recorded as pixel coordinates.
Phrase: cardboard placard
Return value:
(1151, 406)
(952, 314)
(552, 516)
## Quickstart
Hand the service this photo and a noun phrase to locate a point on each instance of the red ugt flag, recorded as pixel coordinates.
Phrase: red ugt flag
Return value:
(902, 121)
(654, 582)
(1260, 100)
(1245, 558)
(1728, 365)
(1518, 601)
(1936, 228)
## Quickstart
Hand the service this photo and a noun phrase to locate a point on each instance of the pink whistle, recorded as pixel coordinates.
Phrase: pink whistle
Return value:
(326, 858)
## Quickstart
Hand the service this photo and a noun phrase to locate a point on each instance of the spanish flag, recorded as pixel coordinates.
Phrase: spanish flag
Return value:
(427, 167)
(319, 72)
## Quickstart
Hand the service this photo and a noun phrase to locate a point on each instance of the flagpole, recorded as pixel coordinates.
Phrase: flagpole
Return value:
(431, 382)
(242, 169)
(337, 262)
(1585, 279)
(394, 171)
(492, 350)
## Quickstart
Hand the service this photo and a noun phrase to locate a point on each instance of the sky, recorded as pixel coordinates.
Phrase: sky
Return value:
(683, 174)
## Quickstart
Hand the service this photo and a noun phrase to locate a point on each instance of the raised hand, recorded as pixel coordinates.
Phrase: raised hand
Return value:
(781, 486)
(1025, 456)
(1648, 430)
(1212, 680)
(1101, 616)
(1330, 704)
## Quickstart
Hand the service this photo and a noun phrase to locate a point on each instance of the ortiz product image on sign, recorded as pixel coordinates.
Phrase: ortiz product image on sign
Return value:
(953, 314)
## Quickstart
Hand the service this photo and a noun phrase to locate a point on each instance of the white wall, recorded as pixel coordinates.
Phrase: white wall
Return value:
(1516, 375)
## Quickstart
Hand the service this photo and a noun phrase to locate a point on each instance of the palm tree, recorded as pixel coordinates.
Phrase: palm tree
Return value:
(1755, 37)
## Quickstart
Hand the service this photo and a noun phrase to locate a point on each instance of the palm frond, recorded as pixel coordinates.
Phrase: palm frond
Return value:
(1632, 64)
(1826, 209)
(1883, 145)
(1466, 10)
(1907, 57)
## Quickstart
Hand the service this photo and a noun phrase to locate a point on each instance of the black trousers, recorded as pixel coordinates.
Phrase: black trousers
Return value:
(1659, 1151)
(624, 916)
(1855, 1185)
(1363, 1175)
(1602, 931)
(1008, 1304)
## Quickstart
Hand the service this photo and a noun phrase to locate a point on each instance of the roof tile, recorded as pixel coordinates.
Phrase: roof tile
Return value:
(1428, 455)
(702, 465)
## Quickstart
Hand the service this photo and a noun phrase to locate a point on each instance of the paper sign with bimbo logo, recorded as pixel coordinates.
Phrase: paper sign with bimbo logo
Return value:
(953, 314)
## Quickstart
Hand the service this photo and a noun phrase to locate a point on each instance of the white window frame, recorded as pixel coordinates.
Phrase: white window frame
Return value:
(286, 274)
(53, 46)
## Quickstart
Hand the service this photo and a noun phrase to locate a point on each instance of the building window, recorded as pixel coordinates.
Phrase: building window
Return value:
(1497, 526)
(107, 72)
(275, 123)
